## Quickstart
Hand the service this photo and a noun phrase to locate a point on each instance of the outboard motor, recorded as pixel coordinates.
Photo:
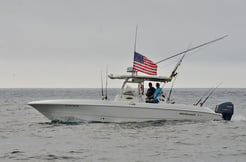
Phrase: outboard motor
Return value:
(226, 109)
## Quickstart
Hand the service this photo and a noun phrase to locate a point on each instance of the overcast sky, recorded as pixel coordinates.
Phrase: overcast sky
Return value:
(67, 43)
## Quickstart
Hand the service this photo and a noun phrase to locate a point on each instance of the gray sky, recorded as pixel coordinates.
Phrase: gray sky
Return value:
(67, 43)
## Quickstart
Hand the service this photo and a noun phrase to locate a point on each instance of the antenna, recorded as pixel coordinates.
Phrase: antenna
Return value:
(136, 34)
(135, 46)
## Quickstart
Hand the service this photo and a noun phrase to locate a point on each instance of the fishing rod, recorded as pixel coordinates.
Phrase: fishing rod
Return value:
(207, 92)
(171, 90)
(212, 91)
(106, 86)
(193, 48)
(102, 86)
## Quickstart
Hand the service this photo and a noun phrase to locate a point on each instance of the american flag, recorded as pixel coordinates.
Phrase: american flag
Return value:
(144, 65)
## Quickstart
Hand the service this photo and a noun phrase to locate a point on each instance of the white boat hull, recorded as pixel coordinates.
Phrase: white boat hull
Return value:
(107, 111)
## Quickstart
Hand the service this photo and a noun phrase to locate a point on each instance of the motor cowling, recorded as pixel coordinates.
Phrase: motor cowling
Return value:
(226, 109)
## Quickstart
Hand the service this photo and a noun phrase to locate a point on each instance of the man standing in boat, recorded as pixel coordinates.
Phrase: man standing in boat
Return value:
(158, 93)
(150, 93)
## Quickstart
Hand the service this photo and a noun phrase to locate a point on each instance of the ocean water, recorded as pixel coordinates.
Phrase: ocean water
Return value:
(26, 135)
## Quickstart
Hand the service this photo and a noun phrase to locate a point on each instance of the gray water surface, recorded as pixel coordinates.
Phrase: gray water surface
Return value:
(26, 135)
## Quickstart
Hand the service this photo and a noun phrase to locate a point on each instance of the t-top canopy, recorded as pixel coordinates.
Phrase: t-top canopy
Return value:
(137, 78)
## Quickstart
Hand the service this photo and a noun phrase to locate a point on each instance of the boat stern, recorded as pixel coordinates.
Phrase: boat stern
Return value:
(226, 109)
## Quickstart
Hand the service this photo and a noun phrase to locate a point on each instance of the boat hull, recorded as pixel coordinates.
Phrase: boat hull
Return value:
(105, 111)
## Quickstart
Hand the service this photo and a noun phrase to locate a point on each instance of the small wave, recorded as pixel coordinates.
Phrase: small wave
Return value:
(183, 143)
(27, 107)
(16, 152)
(52, 157)
(157, 123)
(61, 123)
(75, 152)
(14, 155)
(72, 122)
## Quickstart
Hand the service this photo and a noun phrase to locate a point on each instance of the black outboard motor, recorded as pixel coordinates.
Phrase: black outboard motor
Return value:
(226, 109)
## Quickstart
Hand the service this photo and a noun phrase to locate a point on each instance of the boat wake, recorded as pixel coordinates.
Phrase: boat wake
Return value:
(239, 118)
(124, 125)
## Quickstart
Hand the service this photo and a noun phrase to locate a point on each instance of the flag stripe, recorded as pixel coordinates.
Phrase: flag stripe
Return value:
(136, 64)
(143, 64)
(147, 61)
(143, 71)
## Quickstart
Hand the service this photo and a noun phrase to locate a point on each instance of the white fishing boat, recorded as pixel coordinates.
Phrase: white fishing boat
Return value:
(130, 105)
